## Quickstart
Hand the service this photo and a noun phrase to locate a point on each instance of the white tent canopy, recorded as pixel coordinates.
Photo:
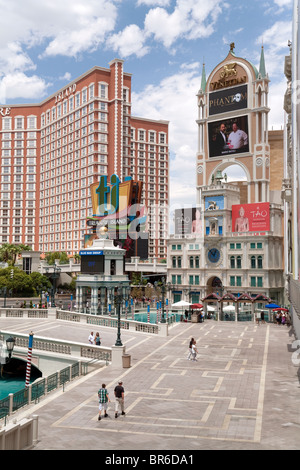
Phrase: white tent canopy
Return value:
(181, 303)
(229, 308)
(209, 308)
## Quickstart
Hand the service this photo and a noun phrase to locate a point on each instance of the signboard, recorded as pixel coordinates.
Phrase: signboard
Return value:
(228, 137)
(91, 264)
(91, 252)
(188, 220)
(251, 217)
(227, 100)
(116, 206)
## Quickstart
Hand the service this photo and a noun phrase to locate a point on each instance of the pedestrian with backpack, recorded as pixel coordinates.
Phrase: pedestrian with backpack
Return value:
(103, 401)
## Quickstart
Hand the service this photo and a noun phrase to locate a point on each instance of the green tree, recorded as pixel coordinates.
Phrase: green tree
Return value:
(40, 281)
(9, 252)
(20, 284)
(61, 256)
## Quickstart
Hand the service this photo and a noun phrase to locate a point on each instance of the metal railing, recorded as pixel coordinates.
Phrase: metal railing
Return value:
(111, 321)
(41, 387)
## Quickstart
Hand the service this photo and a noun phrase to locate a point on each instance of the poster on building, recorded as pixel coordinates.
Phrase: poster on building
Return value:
(230, 99)
(251, 217)
(228, 136)
(188, 221)
(116, 206)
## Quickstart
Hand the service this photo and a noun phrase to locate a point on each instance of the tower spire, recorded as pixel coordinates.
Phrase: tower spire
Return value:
(262, 66)
(203, 79)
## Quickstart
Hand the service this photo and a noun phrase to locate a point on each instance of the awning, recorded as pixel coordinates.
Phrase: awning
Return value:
(272, 306)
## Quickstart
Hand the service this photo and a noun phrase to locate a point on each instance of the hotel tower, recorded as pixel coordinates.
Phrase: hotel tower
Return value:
(52, 151)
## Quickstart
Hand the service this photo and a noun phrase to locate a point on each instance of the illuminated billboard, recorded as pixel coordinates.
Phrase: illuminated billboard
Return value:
(228, 136)
(188, 220)
(227, 100)
(251, 217)
(92, 264)
(116, 206)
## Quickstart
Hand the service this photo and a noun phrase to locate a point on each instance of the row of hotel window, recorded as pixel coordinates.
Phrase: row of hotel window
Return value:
(73, 133)
(235, 262)
(232, 246)
(75, 101)
(234, 281)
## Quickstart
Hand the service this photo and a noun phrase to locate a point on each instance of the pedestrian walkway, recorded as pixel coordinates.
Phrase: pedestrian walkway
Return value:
(241, 393)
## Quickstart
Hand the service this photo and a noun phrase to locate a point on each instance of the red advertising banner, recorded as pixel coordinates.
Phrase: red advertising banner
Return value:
(251, 217)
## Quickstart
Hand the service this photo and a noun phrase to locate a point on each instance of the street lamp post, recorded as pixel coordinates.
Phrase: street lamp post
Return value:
(10, 343)
(54, 276)
(163, 291)
(119, 300)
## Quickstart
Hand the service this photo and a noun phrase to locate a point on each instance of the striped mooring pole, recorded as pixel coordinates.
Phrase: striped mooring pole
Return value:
(148, 311)
(29, 355)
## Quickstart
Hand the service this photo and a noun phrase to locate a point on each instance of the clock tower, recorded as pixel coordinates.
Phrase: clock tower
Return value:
(236, 252)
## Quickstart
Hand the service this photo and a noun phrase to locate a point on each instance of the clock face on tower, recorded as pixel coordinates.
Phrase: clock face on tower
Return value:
(213, 255)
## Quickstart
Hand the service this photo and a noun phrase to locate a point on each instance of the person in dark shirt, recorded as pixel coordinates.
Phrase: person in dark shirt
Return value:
(119, 395)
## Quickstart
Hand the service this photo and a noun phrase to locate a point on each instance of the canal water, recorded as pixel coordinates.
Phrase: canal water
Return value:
(8, 386)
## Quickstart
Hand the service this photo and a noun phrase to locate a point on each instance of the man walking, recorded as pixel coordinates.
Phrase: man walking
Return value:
(119, 395)
(103, 401)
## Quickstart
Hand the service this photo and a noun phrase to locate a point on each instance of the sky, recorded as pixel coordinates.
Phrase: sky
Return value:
(164, 44)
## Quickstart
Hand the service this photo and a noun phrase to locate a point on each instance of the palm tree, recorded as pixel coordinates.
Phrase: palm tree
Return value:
(9, 252)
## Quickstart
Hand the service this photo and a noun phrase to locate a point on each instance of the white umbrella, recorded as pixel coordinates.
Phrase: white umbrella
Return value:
(210, 308)
(181, 303)
(229, 308)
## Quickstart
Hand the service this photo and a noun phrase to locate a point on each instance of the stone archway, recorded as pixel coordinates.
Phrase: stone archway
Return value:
(214, 286)
(222, 166)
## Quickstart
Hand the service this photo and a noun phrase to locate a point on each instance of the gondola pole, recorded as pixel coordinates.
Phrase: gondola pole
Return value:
(29, 356)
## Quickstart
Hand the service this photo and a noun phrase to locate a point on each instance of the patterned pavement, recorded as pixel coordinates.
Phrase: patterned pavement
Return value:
(242, 393)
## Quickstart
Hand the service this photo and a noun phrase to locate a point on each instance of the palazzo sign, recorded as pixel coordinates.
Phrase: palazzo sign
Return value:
(228, 77)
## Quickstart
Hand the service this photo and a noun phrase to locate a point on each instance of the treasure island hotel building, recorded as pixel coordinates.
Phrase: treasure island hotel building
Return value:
(51, 152)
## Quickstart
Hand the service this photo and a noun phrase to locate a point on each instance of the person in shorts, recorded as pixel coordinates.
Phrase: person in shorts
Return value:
(119, 395)
(103, 401)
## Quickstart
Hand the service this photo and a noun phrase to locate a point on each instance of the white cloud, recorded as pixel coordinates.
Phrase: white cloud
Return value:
(18, 85)
(67, 76)
(129, 41)
(275, 41)
(283, 3)
(276, 97)
(151, 3)
(71, 26)
(190, 20)
(174, 100)
(13, 58)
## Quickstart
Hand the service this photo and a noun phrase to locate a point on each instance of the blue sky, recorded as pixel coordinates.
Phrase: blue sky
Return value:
(44, 45)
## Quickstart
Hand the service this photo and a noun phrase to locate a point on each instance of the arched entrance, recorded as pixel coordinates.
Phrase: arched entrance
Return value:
(214, 286)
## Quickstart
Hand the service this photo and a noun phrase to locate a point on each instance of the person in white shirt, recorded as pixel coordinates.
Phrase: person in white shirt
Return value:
(194, 351)
(91, 338)
(237, 138)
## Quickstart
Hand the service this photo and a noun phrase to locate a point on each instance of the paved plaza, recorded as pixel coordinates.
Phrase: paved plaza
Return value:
(242, 393)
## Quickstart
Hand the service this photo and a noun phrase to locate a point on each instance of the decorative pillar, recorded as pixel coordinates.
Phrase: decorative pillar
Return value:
(94, 300)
